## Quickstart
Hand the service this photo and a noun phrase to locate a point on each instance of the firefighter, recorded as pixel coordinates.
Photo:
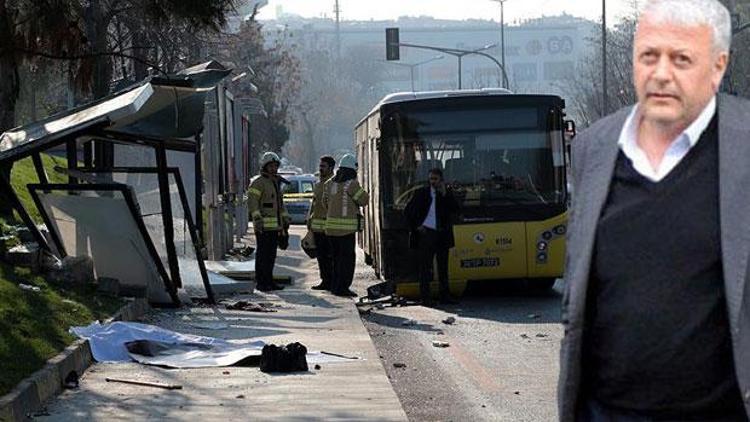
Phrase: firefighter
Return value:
(316, 222)
(342, 198)
(270, 219)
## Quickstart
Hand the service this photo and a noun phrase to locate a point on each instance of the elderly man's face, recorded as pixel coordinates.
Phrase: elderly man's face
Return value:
(676, 71)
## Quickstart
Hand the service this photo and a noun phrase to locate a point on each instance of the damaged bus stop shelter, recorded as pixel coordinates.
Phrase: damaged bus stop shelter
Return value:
(133, 197)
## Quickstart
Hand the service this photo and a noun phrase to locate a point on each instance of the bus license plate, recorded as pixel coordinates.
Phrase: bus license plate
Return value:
(480, 262)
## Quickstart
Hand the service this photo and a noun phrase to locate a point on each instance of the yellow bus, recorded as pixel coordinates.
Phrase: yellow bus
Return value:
(503, 157)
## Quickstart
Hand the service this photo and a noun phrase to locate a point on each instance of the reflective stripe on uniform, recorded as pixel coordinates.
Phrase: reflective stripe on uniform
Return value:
(359, 194)
(344, 202)
(341, 224)
(255, 192)
(318, 224)
(270, 223)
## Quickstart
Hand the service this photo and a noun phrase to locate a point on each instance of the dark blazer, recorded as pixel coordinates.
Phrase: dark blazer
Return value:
(446, 207)
(593, 158)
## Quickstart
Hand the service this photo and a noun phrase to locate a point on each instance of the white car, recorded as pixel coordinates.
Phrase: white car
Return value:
(298, 195)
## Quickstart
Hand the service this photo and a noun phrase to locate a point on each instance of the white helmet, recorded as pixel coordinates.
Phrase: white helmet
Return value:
(269, 157)
(348, 161)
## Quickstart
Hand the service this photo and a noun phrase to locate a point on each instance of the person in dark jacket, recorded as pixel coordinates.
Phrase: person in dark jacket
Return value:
(430, 214)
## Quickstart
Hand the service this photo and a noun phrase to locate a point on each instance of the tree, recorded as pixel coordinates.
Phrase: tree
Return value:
(334, 95)
(276, 76)
(81, 34)
(586, 99)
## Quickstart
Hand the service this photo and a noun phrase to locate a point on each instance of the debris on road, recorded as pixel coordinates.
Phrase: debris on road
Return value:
(210, 325)
(399, 365)
(146, 383)
(534, 316)
(225, 373)
(317, 367)
(71, 381)
(241, 396)
(338, 355)
(244, 305)
(449, 321)
(525, 336)
(540, 335)
(442, 344)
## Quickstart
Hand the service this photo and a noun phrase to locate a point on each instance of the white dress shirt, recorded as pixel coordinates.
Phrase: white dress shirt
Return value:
(431, 220)
(677, 150)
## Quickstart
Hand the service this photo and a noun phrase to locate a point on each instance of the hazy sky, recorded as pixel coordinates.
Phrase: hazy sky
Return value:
(447, 9)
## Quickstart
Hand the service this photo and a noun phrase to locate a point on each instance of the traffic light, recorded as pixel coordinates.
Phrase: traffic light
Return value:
(392, 49)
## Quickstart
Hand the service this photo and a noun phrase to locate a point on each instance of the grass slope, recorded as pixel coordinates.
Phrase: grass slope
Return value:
(34, 325)
(24, 174)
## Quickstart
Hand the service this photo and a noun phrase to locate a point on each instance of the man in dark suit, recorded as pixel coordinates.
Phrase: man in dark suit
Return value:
(430, 215)
(655, 308)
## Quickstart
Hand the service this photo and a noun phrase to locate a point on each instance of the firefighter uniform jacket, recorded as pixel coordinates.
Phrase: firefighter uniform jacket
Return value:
(342, 201)
(267, 204)
(316, 221)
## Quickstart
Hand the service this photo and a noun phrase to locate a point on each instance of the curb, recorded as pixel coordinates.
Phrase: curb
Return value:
(30, 394)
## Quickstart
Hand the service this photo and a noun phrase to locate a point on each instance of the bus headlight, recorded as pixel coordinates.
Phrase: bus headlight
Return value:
(547, 235)
(541, 257)
(560, 230)
(542, 246)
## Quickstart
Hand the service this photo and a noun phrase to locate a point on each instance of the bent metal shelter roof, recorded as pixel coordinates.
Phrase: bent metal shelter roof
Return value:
(168, 109)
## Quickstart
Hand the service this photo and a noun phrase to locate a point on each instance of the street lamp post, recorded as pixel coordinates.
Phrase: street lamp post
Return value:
(412, 66)
(605, 99)
(502, 30)
(460, 55)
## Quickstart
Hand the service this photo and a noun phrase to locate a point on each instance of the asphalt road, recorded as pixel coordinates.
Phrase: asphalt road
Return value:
(502, 362)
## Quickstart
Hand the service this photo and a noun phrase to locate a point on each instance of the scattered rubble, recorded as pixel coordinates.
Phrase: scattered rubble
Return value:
(449, 321)
(244, 305)
(78, 270)
(108, 286)
(146, 383)
(441, 344)
(29, 288)
(540, 335)
(323, 352)
(24, 255)
(71, 381)
(210, 325)
(399, 365)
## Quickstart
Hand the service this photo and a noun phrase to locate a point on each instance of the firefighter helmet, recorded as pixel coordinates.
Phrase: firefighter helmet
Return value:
(269, 157)
(348, 161)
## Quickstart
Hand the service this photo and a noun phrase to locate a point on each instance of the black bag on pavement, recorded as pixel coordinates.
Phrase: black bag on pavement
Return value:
(289, 358)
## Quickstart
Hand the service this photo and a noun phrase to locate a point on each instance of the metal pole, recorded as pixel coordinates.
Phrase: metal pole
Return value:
(605, 100)
(459, 71)
(502, 35)
(338, 31)
(411, 68)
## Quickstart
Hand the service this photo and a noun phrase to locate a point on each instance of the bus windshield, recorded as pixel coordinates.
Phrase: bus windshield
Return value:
(489, 156)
